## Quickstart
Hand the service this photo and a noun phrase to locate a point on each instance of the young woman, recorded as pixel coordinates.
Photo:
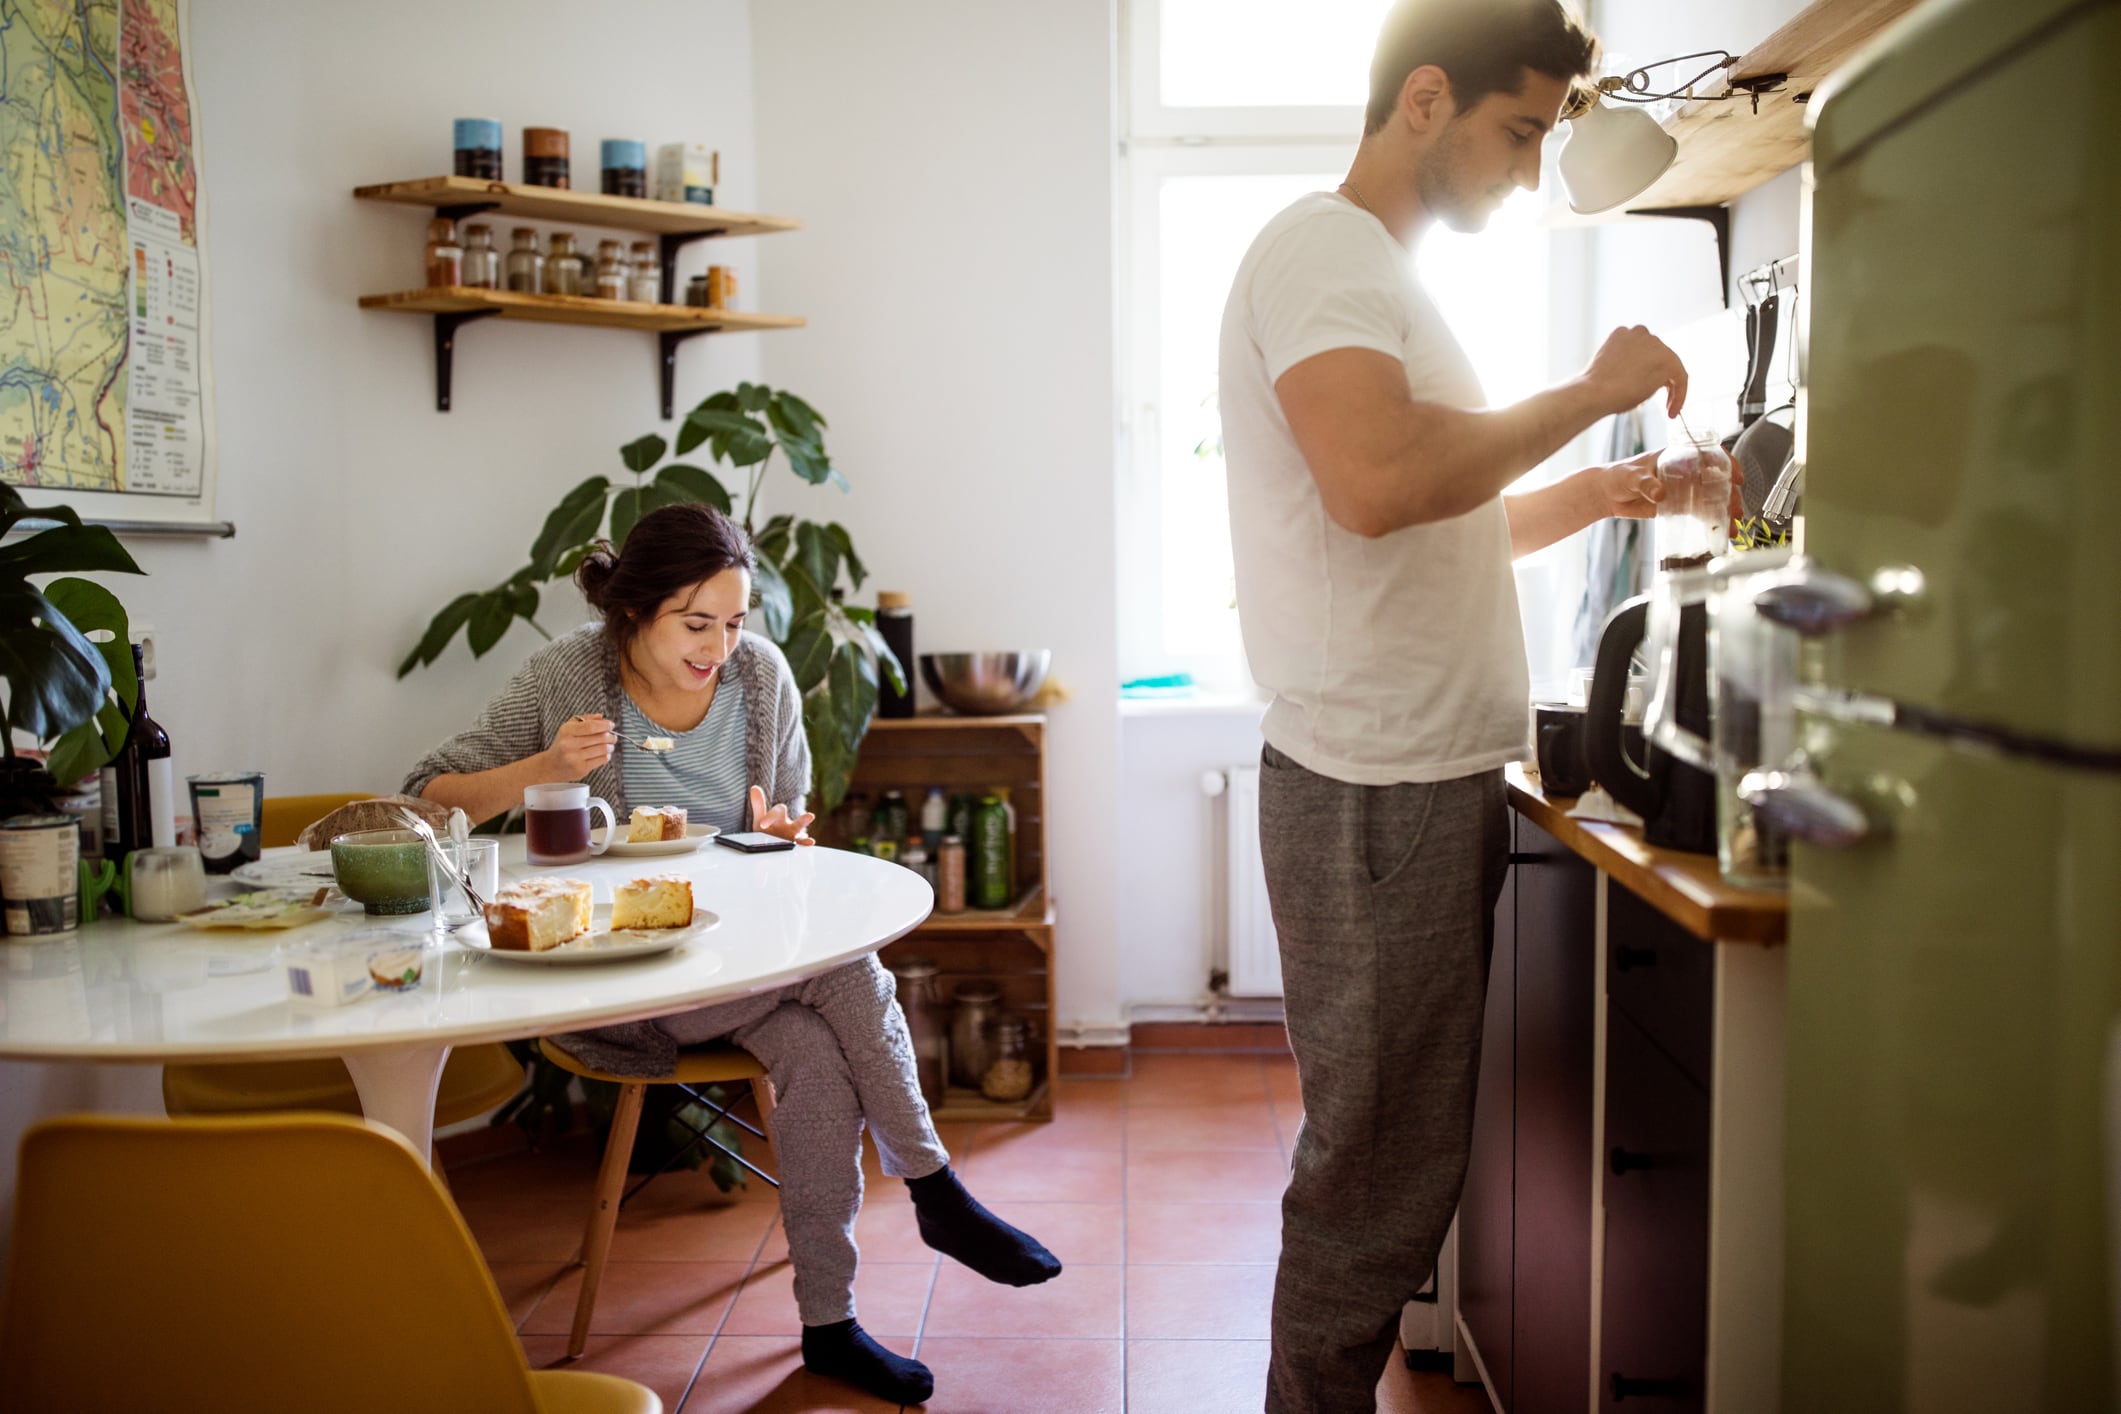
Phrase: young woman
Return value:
(671, 658)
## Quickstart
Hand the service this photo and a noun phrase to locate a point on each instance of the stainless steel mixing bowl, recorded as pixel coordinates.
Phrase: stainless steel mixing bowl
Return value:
(986, 684)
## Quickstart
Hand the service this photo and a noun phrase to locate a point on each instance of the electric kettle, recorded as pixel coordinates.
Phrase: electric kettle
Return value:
(1675, 797)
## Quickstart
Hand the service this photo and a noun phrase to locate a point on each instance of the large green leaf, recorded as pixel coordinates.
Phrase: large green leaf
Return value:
(643, 452)
(572, 522)
(89, 746)
(523, 599)
(804, 593)
(799, 413)
(690, 483)
(67, 549)
(809, 650)
(630, 505)
(831, 763)
(490, 619)
(56, 679)
(732, 436)
(776, 604)
(818, 554)
(773, 538)
(856, 570)
(853, 685)
(440, 630)
(752, 397)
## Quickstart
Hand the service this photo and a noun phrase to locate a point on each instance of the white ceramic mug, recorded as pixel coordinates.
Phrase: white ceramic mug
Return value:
(556, 823)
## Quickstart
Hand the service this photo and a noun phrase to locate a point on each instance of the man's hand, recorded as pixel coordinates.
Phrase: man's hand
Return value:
(777, 820)
(1630, 365)
(1629, 489)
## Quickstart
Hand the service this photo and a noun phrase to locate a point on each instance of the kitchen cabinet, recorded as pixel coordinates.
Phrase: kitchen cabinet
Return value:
(1525, 1220)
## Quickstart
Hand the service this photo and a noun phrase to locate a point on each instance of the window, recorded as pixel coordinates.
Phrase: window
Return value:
(1236, 108)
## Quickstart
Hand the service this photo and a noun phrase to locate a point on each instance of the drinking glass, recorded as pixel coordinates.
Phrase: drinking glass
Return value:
(556, 824)
(482, 860)
(164, 882)
(1694, 518)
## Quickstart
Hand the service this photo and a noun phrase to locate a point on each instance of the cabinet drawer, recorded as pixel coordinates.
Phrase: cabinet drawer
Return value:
(1653, 1349)
(1663, 977)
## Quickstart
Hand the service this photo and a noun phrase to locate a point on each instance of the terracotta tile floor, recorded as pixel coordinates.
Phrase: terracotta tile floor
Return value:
(1159, 1191)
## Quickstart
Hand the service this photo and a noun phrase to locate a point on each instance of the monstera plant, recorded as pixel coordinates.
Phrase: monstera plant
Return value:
(834, 648)
(71, 695)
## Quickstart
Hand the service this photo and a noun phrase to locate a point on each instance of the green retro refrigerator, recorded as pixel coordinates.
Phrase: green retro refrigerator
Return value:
(1954, 1067)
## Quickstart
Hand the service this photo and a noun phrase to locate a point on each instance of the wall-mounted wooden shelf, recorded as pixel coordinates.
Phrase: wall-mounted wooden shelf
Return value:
(675, 224)
(467, 196)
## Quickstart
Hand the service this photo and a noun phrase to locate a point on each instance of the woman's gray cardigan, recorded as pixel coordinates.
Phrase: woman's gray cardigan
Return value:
(578, 676)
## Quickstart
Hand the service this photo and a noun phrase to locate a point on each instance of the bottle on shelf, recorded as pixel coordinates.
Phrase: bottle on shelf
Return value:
(646, 285)
(482, 263)
(991, 879)
(613, 276)
(526, 263)
(445, 258)
(563, 268)
(935, 818)
(894, 620)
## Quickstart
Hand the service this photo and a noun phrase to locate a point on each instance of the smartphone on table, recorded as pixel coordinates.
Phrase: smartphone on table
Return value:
(754, 842)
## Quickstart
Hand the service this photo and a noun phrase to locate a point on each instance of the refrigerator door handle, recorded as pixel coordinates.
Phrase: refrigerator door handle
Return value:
(1797, 802)
(1811, 600)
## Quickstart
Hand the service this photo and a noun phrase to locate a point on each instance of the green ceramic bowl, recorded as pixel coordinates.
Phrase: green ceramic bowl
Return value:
(385, 871)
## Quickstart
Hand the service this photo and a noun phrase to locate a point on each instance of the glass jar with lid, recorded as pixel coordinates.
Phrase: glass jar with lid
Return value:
(612, 273)
(445, 258)
(647, 280)
(526, 263)
(482, 263)
(971, 1023)
(915, 977)
(1010, 1074)
(563, 267)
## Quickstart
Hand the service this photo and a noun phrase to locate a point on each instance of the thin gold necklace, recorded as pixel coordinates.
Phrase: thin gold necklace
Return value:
(1355, 192)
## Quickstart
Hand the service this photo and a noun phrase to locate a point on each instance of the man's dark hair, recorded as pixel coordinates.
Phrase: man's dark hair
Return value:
(1484, 46)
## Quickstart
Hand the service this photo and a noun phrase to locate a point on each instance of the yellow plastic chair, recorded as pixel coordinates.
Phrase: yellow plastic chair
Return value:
(718, 1064)
(475, 1080)
(252, 1263)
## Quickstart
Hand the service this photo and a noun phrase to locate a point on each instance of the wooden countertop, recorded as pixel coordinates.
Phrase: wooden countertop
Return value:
(1686, 888)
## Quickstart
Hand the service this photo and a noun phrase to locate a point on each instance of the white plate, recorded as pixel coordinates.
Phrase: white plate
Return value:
(695, 836)
(309, 869)
(599, 944)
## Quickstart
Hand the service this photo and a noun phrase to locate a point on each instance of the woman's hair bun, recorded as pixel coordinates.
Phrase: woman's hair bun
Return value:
(594, 574)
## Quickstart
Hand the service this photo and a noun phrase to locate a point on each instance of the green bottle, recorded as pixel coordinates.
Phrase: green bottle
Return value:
(991, 885)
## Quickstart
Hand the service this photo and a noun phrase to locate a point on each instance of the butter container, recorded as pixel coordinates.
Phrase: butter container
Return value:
(329, 971)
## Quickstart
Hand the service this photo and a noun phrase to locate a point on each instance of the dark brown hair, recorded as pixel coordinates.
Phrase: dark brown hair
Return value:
(667, 552)
(1483, 46)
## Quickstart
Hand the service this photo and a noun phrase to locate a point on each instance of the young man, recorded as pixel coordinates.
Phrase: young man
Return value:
(1373, 547)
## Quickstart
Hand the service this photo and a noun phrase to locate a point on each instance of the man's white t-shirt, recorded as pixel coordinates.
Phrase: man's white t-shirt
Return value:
(1390, 660)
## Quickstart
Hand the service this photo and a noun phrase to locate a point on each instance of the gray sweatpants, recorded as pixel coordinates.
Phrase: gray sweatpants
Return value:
(1384, 897)
(837, 1050)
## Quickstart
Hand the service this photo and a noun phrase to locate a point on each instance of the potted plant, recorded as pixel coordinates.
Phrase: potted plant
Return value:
(65, 652)
(833, 648)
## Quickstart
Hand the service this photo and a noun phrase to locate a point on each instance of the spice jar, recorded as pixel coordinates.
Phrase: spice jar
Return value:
(612, 274)
(950, 875)
(1009, 1074)
(545, 157)
(478, 149)
(971, 1019)
(625, 164)
(563, 268)
(721, 287)
(696, 292)
(482, 263)
(647, 283)
(917, 999)
(526, 263)
(445, 258)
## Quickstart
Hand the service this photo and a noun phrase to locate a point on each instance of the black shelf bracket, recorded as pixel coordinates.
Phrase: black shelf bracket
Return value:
(1719, 221)
(668, 340)
(672, 243)
(464, 209)
(446, 326)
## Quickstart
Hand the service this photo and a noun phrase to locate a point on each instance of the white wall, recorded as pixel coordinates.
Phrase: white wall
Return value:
(359, 509)
(952, 161)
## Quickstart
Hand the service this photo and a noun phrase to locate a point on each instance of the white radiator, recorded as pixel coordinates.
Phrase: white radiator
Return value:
(1255, 952)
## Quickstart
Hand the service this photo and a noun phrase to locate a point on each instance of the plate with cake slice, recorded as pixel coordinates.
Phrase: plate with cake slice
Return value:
(552, 921)
(659, 830)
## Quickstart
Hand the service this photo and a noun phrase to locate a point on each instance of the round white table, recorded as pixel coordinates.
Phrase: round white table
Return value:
(124, 991)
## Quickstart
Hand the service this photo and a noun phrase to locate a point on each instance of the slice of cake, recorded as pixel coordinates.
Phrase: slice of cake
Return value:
(537, 914)
(651, 823)
(658, 901)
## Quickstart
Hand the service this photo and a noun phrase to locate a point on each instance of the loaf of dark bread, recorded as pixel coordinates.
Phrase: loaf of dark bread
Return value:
(381, 813)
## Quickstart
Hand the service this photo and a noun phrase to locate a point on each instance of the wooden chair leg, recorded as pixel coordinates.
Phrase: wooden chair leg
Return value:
(762, 1096)
(604, 1215)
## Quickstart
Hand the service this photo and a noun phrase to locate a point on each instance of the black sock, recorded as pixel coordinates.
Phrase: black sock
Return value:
(845, 1351)
(954, 1224)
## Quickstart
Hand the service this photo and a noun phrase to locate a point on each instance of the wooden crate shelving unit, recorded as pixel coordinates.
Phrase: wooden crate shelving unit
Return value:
(1012, 947)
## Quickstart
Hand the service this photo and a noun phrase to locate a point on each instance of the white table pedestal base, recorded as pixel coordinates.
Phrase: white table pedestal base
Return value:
(397, 1086)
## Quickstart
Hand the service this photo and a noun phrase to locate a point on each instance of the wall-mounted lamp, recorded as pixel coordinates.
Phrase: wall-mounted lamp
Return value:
(1615, 154)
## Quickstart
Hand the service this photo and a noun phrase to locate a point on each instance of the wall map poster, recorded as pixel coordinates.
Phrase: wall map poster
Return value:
(104, 386)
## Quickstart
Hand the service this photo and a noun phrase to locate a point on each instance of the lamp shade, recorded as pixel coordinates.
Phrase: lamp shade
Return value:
(1613, 155)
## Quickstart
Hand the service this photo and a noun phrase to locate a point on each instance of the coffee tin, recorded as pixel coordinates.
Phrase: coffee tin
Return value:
(40, 864)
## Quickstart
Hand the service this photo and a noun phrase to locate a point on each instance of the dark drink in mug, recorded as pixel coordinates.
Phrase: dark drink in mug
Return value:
(556, 824)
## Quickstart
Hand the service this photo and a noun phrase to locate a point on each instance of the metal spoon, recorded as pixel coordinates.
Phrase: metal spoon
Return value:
(426, 832)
